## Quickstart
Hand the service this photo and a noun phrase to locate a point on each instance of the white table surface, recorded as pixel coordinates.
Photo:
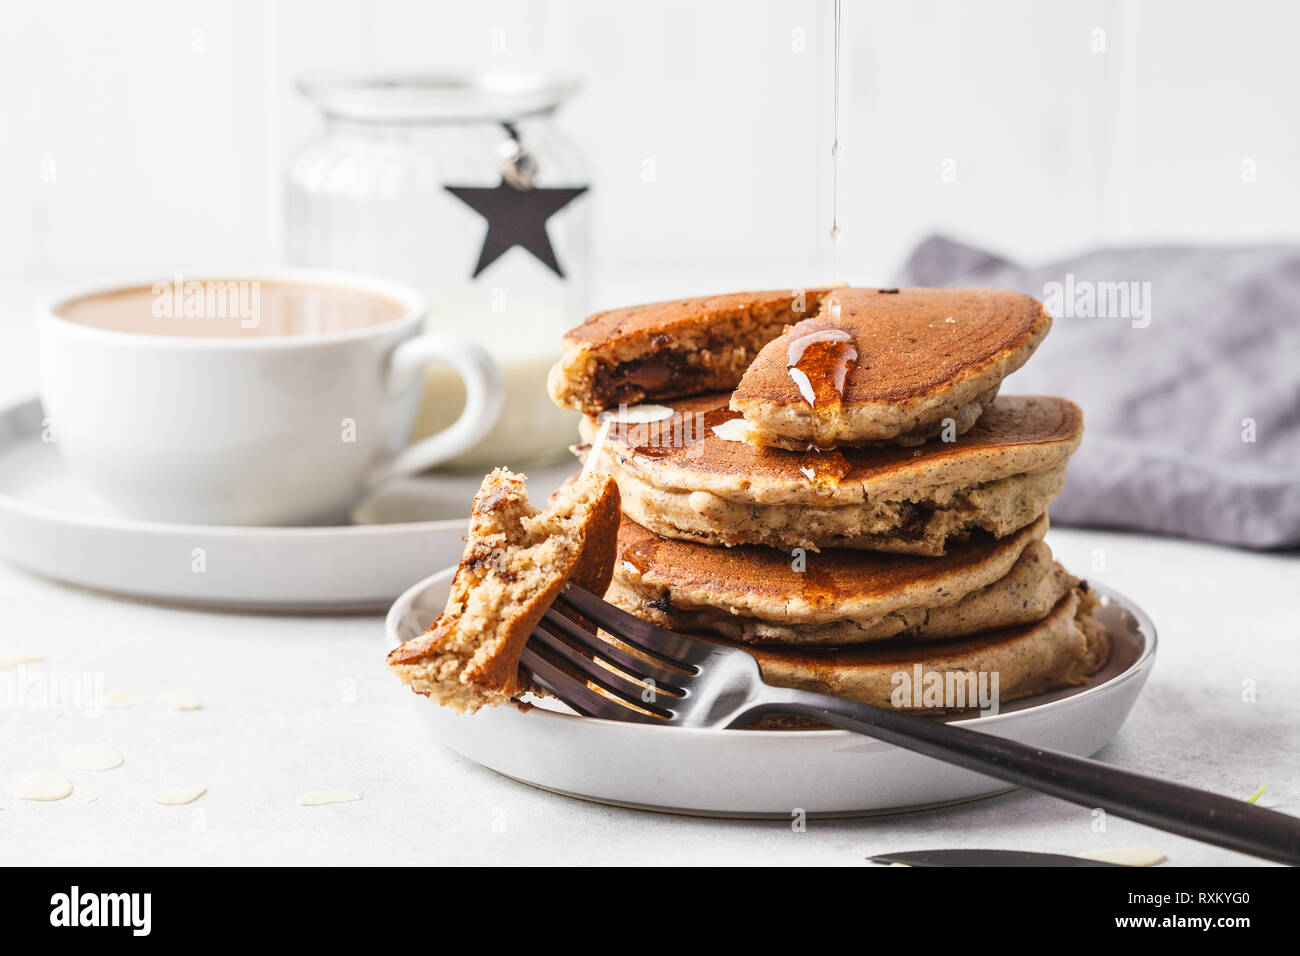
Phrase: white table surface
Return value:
(298, 703)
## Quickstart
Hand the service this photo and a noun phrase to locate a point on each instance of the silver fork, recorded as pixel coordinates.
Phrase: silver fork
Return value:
(679, 681)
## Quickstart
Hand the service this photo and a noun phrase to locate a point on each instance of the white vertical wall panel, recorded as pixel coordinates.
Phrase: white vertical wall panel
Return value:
(152, 135)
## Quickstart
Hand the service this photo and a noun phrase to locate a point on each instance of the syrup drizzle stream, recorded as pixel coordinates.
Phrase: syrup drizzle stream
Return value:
(835, 161)
(821, 354)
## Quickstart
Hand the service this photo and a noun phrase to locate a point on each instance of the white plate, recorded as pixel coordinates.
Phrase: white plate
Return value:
(768, 772)
(53, 524)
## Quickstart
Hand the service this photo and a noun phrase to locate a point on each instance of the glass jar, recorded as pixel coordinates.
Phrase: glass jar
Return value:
(369, 194)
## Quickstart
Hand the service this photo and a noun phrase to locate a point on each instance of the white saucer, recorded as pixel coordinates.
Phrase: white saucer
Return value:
(53, 524)
(767, 773)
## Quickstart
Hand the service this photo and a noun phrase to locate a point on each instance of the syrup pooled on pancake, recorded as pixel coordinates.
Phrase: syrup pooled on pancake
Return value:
(818, 360)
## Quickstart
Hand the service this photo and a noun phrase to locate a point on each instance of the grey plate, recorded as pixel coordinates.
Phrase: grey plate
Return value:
(53, 524)
(768, 773)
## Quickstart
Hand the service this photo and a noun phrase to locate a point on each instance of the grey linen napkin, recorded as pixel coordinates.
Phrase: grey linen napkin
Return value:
(1186, 362)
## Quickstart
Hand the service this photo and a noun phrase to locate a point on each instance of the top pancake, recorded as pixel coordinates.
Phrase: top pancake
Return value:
(1018, 435)
(671, 349)
(907, 359)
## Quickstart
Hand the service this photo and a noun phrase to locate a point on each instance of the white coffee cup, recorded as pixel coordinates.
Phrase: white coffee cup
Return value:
(253, 430)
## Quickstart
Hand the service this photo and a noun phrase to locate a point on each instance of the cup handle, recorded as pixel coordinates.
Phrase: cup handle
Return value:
(485, 397)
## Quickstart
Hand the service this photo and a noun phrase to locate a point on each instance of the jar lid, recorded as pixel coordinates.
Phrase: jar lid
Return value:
(438, 97)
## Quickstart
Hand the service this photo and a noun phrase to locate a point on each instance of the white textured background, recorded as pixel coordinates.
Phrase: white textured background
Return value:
(152, 135)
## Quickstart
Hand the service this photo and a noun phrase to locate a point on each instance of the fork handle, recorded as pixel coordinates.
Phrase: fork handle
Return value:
(1189, 812)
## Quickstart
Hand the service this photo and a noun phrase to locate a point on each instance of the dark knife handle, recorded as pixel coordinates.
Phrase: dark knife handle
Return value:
(1017, 858)
(1189, 812)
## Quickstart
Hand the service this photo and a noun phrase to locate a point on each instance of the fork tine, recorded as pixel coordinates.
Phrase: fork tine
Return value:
(630, 691)
(577, 694)
(638, 667)
(676, 649)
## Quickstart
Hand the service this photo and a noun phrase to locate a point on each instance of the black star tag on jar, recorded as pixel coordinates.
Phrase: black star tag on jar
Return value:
(516, 217)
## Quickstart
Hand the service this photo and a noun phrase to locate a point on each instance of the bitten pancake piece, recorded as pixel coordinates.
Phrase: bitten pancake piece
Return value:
(681, 478)
(671, 349)
(1062, 650)
(880, 364)
(515, 562)
(836, 596)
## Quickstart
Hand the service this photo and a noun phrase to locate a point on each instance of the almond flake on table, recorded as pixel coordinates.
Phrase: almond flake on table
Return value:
(93, 758)
(41, 785)
(179, 701)
(317, 798)
(119, 699)
(13, 660)
(178, 798)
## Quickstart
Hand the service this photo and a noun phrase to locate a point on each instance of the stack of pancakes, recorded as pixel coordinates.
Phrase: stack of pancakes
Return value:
(829, 479)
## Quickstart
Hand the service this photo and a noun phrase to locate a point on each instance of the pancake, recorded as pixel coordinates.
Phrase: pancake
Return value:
(836, 597)
(1061, 650)
(515, 562)
(681, 479)
(893, 363)
(671, 349)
